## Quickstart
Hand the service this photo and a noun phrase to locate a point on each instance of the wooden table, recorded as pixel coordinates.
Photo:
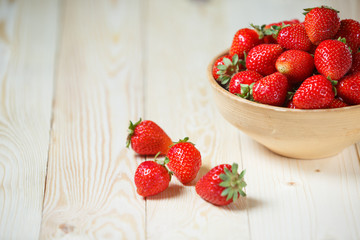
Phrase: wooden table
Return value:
(72, 75)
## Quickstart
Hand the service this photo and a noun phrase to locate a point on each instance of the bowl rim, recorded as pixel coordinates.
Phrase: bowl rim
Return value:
(220, 89)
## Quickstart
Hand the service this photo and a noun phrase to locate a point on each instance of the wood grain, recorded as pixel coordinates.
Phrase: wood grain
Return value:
(28, 34)
(280, 202)
(103, 63)
(90, 192)
(177, 56)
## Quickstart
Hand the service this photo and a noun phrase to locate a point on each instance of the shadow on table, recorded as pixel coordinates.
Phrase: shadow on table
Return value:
(173, 191)
(244, 203)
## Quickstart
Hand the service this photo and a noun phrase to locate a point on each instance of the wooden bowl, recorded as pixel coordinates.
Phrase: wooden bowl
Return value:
(295, 133)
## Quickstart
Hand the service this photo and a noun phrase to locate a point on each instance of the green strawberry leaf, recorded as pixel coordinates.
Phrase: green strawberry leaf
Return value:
(233, 182)
(131, 131)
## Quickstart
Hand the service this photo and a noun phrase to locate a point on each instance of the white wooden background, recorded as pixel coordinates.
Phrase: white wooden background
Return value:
(74, 72)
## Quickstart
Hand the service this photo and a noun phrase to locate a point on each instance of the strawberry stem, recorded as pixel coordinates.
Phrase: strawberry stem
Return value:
(131, 131)
(186, 139)
(233, 182)
(163, 163)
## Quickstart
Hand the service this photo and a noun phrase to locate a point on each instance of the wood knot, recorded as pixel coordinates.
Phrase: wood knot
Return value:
(291, 183)
(66, 228)
(317, 170)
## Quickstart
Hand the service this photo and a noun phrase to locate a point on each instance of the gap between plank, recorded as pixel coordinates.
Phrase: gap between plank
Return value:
(242, 168)
(144, 6)
(59, 33)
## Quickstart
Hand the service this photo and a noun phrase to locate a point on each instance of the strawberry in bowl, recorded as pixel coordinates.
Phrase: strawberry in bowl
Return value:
(302, 99)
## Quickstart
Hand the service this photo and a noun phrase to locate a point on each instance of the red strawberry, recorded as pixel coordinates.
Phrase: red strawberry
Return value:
(271, 89)
(290, 104)
(337, 103)
(333, 59)
(221, 185)
(225, 67)
(270, 38)
(262, 58)
(286, 22)
(245, 77)
(151, 178)
(315, 92)
(350, 30)
(218, 62)
(296, 65)
(147, 138)
(184, 160)
(321, 23)
(243, 41)
(355, 67)
(294, 37)
(348, 88)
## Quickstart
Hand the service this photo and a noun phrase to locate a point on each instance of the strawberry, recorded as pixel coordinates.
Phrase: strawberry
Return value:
(245, 77)
(348, 88)
(355, 67)
(294, 37)
(151, 178)
(221, 185)
(243, 41)
(147, 138)
(337, 103)
(315, 92)
(286, 22)
(296, 65)
(271, 89)
(350, 30)
(333, 59)
(321, 23)
(290, 104)
(184, 160)
(262, 58)
(218, 62)
(225, 67)
(272, 38)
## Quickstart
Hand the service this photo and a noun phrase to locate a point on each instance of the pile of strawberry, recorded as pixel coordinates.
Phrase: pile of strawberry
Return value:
(312, 64)
(220, 186)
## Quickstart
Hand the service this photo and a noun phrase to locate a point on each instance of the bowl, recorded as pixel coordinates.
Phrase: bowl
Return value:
(294, 133)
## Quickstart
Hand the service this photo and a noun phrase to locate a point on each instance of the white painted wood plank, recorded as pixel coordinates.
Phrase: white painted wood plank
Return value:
(182, 39)
(284, 201)
(301, 199)
(28, 33)
(90, 192)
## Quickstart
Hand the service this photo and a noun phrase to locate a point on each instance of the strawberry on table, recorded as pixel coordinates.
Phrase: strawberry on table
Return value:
(321, 23)
(262, 58)
(296, 65)
(147, 138)
(314, 93)
(348, 88)
(350, 30)
(333, 59)
(244, 39)
(222, 185)
(246, 77)
(184, 160)
(151, 178)
(271, 89)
